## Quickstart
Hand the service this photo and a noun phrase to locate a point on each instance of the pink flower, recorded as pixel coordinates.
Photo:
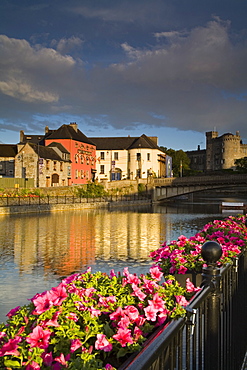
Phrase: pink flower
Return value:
(94, 312)
(39, 337)
(162, 317)
(53, 321)
(58, 294)
(10, 348)
(42, 303)
(112, 274)
(156, 273)
(117, 315)
(72, 316)
(102, 343)
(123, 336)
(150, 313)
(182, 270)
(190, 287)
(109, 367)
(13, 311)
(62, 360)
(124, 322)
(137, 333)
(47, 358)
(181, 300)
(70, 278)
(138, 293)
(75, 344)
(157, 302)
(33, 366)
(132, 312)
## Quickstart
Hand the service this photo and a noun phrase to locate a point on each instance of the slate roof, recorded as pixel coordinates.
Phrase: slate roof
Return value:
(46, 152)
(124, 143)
(8, 150)
(59, 146)
(68, 132)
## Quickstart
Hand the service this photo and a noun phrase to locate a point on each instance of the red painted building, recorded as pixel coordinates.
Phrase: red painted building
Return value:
(82, 152)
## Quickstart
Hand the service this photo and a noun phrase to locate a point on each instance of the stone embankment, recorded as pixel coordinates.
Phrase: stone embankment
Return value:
(40, 208)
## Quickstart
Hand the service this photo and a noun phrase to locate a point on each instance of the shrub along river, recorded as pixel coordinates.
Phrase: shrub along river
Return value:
(36, 250)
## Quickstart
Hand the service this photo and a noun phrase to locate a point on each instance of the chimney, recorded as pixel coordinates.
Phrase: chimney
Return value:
(46, 129)
(198, 148)
(74, 125)
(21, 136)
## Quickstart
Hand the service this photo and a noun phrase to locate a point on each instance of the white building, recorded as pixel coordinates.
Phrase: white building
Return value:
(119, 158)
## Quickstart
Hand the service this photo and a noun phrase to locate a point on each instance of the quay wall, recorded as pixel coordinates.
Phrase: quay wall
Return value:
(34, 208)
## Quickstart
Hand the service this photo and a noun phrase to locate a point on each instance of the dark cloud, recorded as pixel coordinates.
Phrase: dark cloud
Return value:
(182, 72)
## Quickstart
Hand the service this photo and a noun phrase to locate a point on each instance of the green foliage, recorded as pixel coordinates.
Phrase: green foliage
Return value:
(141, 188)
(64, 325)
(180, 161)
(91, 190)
(241, 164)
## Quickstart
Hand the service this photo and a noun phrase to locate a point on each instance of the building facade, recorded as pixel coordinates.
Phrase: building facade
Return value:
(7, 160)
(120, 158)
(48, 166)
(81, 149)
(220, 153)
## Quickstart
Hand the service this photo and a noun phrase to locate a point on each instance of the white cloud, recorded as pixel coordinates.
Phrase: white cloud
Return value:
(64, 46)
(31, 74)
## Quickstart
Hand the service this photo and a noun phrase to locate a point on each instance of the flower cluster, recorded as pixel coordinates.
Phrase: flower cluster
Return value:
(90, 320)
(184, 255)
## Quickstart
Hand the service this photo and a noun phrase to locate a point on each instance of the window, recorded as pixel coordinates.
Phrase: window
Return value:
(138, 156)
(47, 165)
(102, 155)
(102, 169)
(82, 174)
(138, 173)
(61, 166)
(54, 165)
(82, 159)
(128, 157)
(87, 160)
(115, 156)
(76, 174)
(148, 156)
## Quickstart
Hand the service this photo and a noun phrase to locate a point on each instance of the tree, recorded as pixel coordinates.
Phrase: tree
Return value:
(241, 164)
(180, 161)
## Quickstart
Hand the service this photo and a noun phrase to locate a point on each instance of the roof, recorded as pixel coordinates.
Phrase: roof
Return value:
(59, 146)
(8, 150)
(69, 132)
(124, 143)
(46, 152)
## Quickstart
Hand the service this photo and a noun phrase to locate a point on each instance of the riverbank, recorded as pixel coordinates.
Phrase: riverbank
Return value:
(44, 208)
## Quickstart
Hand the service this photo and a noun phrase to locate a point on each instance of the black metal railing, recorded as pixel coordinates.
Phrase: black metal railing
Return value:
(213, 335)
(9, 201)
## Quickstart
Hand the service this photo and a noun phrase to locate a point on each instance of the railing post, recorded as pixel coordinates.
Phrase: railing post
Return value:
(211, 253)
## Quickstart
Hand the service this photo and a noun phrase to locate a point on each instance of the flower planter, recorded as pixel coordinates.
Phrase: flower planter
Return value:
(195, 278)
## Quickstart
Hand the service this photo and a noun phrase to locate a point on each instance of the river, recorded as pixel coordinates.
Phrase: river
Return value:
(36, 250)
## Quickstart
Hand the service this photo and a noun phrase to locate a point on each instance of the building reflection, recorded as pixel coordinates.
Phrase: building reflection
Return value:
(62, 243)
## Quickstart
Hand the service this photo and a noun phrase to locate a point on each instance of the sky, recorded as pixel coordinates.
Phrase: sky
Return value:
(174, 69)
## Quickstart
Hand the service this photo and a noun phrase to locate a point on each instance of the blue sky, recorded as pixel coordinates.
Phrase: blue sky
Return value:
(168, 68)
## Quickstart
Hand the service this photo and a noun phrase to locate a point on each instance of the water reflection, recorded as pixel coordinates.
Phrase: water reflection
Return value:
(36, 250)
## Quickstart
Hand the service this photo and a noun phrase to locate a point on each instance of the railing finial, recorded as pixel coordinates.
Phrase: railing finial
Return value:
(211, 252)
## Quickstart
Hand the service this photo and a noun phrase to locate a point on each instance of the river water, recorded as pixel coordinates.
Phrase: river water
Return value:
(36, 250)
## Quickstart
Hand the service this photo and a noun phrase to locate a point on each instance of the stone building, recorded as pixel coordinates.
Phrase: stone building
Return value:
(48, 166)
(220, 153)
(7, 160)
